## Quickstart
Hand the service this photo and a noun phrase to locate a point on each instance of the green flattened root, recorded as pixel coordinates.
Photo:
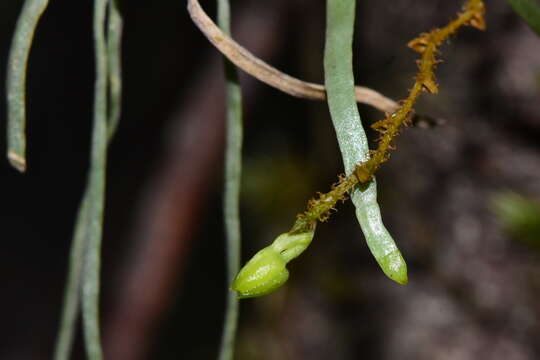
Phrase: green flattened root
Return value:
(394, 267)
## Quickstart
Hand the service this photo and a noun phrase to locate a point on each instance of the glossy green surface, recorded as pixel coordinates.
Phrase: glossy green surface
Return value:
(292, 245)
(378, 239)
(266, 271)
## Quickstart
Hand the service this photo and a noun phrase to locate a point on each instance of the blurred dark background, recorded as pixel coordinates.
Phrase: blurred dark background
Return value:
(460, 199)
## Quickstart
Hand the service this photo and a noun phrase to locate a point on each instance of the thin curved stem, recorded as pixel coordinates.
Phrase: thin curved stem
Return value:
(233, 174)
(70, 307)
(114, 48)
(96, 190)
(84, 265)
(262, 71)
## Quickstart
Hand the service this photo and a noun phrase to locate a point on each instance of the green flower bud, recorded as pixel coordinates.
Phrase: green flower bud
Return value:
(266, 271)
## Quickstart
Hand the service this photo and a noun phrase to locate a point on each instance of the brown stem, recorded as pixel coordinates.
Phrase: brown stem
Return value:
(262, 71)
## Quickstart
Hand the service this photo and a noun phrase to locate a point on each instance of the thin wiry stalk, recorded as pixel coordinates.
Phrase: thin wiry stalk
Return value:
(16, 80)
(233, 173)
(96, 190)
(85, 250)
(70, 307)
(114, 49)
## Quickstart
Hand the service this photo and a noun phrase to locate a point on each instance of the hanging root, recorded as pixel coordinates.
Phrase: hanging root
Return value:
(427, 44)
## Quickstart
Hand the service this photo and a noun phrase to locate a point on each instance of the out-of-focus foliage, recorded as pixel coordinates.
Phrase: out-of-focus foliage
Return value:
(529, 10)
(520, 216)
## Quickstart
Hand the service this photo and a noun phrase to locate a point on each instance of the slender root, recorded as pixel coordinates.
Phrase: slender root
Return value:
(427, 44)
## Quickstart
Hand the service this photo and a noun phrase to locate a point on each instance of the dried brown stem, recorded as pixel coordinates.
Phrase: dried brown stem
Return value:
(262, 71)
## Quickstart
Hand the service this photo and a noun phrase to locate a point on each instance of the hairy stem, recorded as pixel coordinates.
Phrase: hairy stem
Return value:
(339, 80)
(427, 44)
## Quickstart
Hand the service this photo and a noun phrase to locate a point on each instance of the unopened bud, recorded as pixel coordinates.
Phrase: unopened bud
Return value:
(266, 271)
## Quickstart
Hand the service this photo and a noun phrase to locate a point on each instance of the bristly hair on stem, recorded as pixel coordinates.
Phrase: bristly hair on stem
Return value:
(427, 44)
